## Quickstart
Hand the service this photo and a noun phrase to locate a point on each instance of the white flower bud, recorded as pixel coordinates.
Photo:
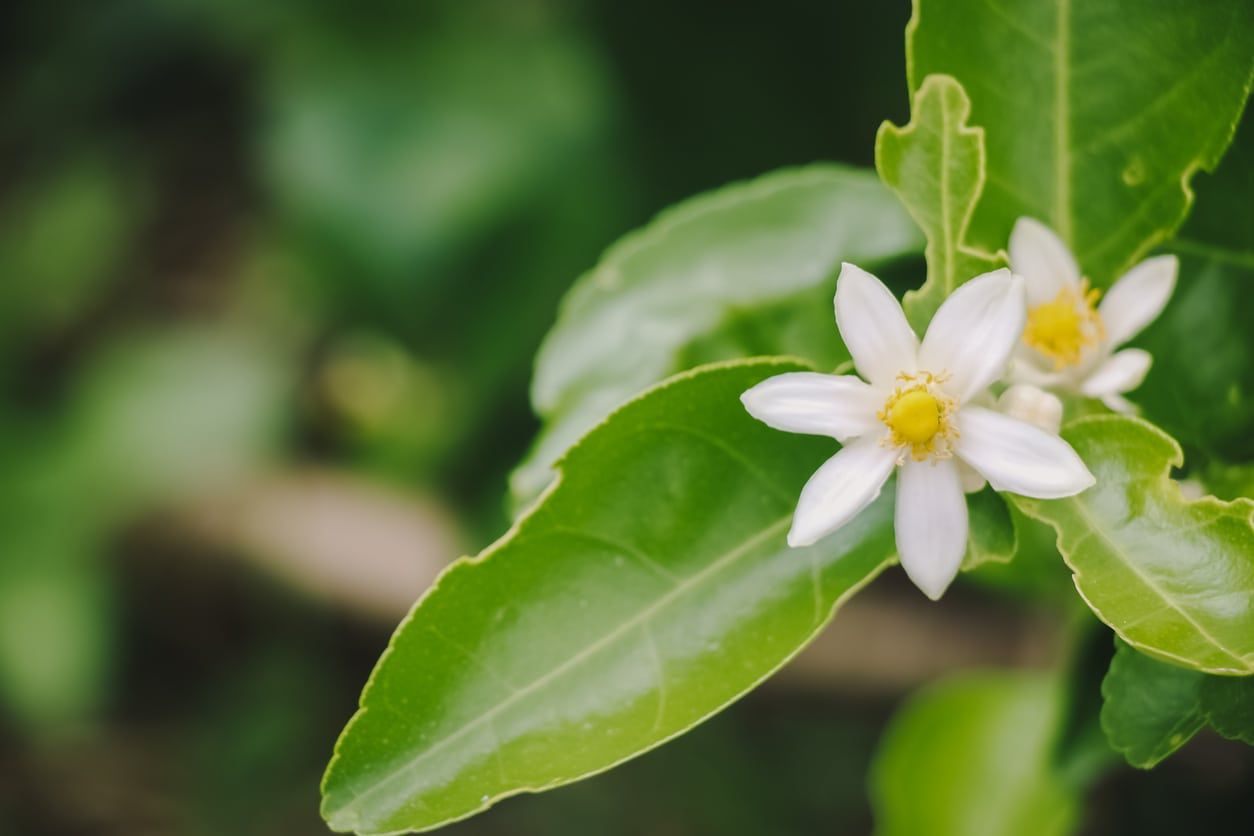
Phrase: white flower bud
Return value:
(1033, 405)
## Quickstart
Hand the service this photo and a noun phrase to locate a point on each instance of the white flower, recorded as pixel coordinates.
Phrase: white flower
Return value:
(1069, 341)
(915, 414)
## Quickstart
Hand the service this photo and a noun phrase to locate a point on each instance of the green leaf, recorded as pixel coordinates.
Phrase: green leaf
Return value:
(936, 166)
(1098, 114)
(971, 757)
(1201, 385)
(1204, 396)
(692, 273)
(1152, 708)
(994, 536)
(648, 588)
(1174, 578)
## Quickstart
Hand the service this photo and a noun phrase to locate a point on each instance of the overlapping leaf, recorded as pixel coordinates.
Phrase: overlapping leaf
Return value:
(936, 166)
(1097, 114)
(648, 588)
(1152, 708)
(1173, 577)
(690, 276)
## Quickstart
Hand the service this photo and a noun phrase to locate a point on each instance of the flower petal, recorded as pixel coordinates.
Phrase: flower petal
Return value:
(974, 331)
(1138, 297)
(1118, 403)
(1041, 257)
(819, 404)
(846, 483)
(873, 327)
(1017, 457)
(1121, 372)
(931, 524)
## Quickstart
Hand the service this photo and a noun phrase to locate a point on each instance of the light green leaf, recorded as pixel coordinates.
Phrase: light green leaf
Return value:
(1173, 578)
(1152, 708)
(692, 273)
(936, 166)
(1098, 114)
(648, 588)
(971, 757)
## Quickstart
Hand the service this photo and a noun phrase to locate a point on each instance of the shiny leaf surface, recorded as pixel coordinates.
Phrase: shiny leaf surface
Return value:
(693, 273)
(970, 757)
(1106, 163)
(1173, 577)
(648, 588)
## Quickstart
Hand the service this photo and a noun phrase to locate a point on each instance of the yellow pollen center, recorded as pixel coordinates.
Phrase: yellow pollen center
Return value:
(915, 417)
(918, 416)
(1063, 328)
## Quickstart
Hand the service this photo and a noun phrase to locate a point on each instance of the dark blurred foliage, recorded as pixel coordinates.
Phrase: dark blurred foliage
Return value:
(242, 240)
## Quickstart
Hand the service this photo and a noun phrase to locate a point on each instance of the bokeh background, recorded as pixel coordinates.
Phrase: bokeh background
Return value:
(271, 277)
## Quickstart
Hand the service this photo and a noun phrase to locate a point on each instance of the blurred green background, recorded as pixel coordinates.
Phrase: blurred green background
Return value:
(271, 277)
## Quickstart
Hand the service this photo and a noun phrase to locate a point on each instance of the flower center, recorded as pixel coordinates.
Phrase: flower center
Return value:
(917, 415)
(1064, 328)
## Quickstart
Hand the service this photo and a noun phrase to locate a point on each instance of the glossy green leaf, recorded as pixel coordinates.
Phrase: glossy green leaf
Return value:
(690, 274)
(1201, 386)
(649, 587)
(1106, 164)
(971, 757)
(994, 536)
(1173, 577)
(935, 164)
(1152, 708)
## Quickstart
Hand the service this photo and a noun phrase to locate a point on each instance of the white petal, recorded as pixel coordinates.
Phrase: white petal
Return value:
(1138, 297)
(973, 333)
(972, 481)
(1017, 457)
(873, 327)
(820, 404)
(1121, 372)
(1041, 257)
(846, 483)
(1024, 368)
(1026, 402)
(931, 524)
(1118, 403)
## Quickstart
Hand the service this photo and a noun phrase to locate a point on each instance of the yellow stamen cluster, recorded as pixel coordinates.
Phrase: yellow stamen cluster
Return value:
(1064, 328)
(919, 417)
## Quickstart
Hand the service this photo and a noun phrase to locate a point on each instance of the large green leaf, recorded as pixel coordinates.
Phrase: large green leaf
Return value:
(1201, 386)
(1174, 578)
(648, 588)
(1152, 708)
(1097, 114)
(971, 757)
(689, 275)
(936, 166)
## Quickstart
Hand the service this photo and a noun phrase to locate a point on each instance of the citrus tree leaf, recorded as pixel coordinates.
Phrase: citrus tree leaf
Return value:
(935, 164)
(1204, 396)
(971, 757)
(1173, 577)
(647, 589)
(1105, 164)
(1153, 708)
(698, 267)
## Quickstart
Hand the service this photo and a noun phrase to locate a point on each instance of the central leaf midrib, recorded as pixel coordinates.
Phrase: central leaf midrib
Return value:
(592, 649)
(1092, 524)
